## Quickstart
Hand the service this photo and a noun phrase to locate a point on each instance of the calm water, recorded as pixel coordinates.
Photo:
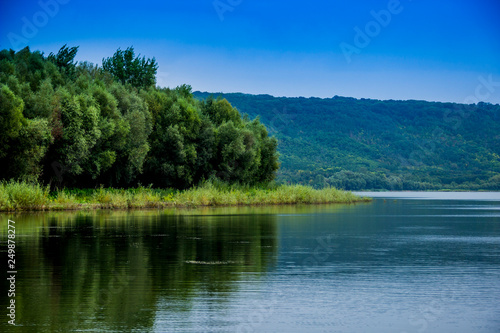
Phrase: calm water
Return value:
(407, 262)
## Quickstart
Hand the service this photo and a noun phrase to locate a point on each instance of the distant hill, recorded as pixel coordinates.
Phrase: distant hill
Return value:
(370, 144)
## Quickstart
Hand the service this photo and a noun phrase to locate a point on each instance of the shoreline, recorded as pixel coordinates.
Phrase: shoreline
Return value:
(21, 196)
(96, 207)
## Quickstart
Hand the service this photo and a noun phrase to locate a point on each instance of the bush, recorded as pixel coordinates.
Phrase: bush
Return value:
(23, 196)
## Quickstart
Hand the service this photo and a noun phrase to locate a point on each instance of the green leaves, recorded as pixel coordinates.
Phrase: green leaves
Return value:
(64, 60)
(219, 111)
(23, 142)
(247, 154)
(82, 128)
(11, 118)
(127, 68)
(30, 149)
(65, 57)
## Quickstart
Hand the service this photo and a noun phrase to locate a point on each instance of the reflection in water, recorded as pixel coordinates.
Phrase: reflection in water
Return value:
(392, 265)
(110, 269)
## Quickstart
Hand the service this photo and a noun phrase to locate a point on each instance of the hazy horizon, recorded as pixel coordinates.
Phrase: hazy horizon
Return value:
(215, 93)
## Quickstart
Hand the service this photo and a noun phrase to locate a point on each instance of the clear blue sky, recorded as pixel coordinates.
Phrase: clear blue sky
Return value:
(430, 50)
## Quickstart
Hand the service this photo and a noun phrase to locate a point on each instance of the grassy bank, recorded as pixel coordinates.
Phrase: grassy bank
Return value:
(16, 196)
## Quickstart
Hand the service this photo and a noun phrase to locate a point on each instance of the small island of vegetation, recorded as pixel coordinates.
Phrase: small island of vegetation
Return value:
(78, 135)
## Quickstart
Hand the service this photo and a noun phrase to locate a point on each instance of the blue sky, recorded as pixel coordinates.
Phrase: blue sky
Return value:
(417, 49)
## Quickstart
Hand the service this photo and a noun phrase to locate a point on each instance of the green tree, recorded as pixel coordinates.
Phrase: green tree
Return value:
(65, 60)
(173, 158)
(268, 150)
(236, 154)
(127, 68)
(23, 142)
(83, 125)
(220, 110)
(41, 103)
(135, 112)
(11, 118)
(30, 148)
(65, 57)
(80, 132)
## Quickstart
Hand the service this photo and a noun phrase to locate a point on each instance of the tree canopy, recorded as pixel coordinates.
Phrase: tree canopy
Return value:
(128, 68)
(83, 125)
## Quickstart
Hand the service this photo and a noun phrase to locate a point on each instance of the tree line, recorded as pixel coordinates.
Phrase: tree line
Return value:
(358, 144)
(78, 124)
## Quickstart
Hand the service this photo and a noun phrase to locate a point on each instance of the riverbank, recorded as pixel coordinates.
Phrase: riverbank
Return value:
(432, 195)
(22, 196)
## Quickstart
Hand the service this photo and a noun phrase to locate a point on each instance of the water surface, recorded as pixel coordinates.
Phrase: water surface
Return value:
(421, 262)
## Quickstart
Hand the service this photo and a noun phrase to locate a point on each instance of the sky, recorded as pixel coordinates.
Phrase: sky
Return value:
(446, 50)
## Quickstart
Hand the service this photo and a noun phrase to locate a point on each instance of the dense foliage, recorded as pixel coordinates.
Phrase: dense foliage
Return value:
(370, 144)
(82, 125)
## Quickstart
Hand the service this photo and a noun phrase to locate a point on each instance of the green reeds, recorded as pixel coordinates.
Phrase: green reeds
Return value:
(22, 195)
(28, 196)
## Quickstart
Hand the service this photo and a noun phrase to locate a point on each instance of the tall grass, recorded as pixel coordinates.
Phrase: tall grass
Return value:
(210, 195)
(23, 195)
(27, 196)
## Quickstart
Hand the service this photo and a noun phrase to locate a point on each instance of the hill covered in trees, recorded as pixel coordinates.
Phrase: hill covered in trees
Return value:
(74, 124)
(371, 144)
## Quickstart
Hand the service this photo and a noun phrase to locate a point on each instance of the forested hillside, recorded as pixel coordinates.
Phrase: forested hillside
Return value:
(370, 144)
(74, 124)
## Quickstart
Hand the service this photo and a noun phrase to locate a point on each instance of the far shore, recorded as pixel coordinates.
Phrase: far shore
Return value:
(432, 195)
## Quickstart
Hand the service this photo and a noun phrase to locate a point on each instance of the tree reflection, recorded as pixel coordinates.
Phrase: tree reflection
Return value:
(111, 271)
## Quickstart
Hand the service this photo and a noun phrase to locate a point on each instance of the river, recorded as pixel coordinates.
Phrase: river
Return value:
(406, 262)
